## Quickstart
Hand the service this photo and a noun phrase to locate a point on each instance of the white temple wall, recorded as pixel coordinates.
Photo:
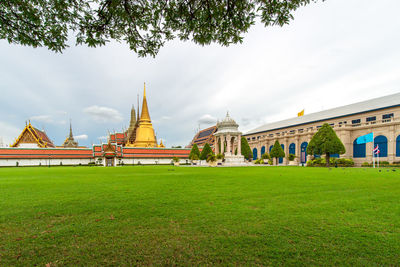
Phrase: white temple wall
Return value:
(42, 162)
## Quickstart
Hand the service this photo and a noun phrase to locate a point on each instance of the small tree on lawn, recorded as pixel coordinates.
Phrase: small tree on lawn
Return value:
(194, 152)
(246, 151)
(205, 152)
(277, 151)
(325, 141)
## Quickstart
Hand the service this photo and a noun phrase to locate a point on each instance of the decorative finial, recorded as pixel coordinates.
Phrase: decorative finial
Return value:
(144, 90)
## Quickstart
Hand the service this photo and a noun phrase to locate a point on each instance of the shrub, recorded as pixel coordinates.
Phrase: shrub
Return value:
(277, 151)
(211, 158)
(205, 152)
(365, 164)
(259, 161)
(246, 151)
(92, 163)
(384, 163)
(194, 152)
(265, 156)
(325, 141)
(291, 157)
(194, 157)
(175, 159)
(270, 162)
(220, 156)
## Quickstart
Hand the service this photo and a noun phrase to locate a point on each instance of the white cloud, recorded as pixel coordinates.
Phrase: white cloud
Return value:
(8, 133)
(207, 119)
(81, 137)
(103, 114)
(49, 119)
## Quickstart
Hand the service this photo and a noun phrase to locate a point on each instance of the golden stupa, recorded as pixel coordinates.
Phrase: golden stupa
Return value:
(145, 136)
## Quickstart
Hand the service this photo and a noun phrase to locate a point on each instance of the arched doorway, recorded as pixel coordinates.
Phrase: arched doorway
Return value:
(281, 159)
(398, 146)
(303, 154)
(358, 149)
(254, 153)
(262, 150)
(292, 149)
(381, 141)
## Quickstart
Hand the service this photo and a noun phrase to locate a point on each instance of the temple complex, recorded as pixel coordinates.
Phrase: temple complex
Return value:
(70, 141)
(32, 137)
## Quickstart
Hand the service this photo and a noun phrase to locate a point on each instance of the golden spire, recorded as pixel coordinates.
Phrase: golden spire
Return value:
(145, 116)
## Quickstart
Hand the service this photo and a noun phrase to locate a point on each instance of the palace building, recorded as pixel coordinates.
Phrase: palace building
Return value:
(380, 116)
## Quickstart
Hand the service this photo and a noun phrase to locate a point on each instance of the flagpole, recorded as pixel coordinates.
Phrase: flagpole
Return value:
(378, 156)
(373, 147)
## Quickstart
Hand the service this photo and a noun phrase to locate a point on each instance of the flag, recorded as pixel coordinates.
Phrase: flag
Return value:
(365, 138)
(376, 150)
(301, 113)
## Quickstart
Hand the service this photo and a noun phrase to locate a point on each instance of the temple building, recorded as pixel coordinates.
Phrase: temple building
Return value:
(204, 136)
(70, 141)
(32, 137)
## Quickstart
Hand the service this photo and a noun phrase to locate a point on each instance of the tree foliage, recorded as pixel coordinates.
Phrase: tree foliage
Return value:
(325, 142)
(277, 151)
(246, 151)
(206, 151)
(194, 152)
(144, 25)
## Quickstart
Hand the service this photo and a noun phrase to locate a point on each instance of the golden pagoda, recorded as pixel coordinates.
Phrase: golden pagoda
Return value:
(145, 136)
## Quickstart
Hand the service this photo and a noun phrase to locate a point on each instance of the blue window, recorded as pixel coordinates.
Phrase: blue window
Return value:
(281, 159)
(270, 148)
(254, 153)
(398, 146)
(356, 121)
(263, 150)
(371, 118)
(387, 116)
(292, 149)
(358, 149)
(381, 141)
(303, 155)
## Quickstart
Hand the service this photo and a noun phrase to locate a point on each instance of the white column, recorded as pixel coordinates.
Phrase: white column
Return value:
(228, 144)
(222, 144)
(239, 145)
(216, 145)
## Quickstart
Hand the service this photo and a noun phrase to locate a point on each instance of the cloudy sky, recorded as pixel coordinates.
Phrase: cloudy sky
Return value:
(334, 53)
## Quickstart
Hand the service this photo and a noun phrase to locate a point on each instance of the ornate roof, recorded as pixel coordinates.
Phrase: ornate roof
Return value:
(204, 136)
(70, 141)
(32, 135)
(227, 125)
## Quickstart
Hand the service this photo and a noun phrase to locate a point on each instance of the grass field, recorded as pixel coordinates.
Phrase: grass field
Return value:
(204, 216)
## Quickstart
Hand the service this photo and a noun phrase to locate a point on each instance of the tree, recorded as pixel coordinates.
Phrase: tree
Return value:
(325, 141)
(277, 151)
(246, 151)
(144, 25)
(205, 152)
(194, 152)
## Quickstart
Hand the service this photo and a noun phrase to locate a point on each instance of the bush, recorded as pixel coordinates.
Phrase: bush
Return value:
(175, 159)
(211, 158)
(92, 163)
(384, 163)
(270, 162)
(194, 152)
(259, 161)
(205, 152)
(365, 164)
(291, 157)
(320, 162)
(220, 156)
(194, 157)
(265, 156)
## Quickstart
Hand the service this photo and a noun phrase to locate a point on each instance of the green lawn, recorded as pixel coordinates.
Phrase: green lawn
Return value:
(204, 216)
